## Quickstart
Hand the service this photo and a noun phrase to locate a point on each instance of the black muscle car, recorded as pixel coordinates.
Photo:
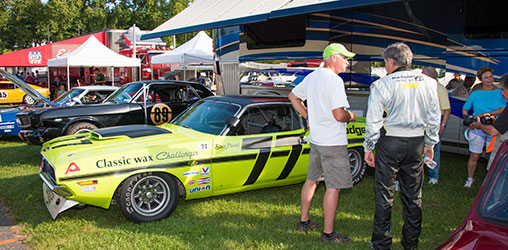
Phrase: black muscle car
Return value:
(147, 102)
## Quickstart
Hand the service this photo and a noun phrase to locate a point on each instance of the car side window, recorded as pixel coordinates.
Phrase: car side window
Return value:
(192, 95)
(102, 95)
(156, 94)
(7, 86)
(94, 96)
(260, 119)
(496, 199)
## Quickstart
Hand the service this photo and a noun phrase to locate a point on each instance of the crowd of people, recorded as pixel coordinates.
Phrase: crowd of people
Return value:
(29, 77)
(406, 115)
(61, 82)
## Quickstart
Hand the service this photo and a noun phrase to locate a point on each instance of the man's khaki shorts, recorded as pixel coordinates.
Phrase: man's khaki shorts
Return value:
(332, 163)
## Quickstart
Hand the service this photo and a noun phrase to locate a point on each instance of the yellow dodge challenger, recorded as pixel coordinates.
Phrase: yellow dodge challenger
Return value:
(220, 145)
(10, 93)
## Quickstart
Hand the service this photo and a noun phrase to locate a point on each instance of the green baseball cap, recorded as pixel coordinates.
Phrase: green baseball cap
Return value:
(337, 48)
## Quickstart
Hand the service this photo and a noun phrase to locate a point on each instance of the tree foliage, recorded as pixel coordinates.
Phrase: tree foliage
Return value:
(27, 23)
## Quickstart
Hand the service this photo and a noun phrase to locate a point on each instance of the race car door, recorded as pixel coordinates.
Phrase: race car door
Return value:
(166, 101)
(264, 149)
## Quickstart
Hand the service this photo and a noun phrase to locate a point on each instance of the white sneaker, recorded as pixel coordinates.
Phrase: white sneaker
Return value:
(469, 182)
(432, 181)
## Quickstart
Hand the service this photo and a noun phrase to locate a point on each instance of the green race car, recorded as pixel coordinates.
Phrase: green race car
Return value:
(220, 145)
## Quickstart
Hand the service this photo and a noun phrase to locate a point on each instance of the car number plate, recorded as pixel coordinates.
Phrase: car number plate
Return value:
(54, 202)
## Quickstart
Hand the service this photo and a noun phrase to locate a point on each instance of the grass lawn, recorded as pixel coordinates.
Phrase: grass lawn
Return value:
(261, 219)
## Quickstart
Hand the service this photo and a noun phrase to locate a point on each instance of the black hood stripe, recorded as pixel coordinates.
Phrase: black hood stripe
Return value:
(70, 139)
(82, 142)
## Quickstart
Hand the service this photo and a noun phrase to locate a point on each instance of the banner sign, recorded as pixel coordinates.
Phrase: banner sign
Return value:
(60, 50)
(34, 57)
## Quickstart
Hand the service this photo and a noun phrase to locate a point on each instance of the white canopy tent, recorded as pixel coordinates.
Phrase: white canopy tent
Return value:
(197, 50)
(93, 53)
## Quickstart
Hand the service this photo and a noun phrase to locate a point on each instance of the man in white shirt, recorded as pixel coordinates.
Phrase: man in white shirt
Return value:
(327, 117)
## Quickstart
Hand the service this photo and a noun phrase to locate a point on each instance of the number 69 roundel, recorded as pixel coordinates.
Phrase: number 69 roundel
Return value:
(160, 113)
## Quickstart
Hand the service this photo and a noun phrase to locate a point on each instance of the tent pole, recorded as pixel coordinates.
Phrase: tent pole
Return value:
(49, 84)
(113, 79)
(140, 77)
(68, 78)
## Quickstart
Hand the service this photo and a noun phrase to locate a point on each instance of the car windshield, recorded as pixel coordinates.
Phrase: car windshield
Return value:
(125, 93)
(68, 96)
(207, 116)
(495, 195)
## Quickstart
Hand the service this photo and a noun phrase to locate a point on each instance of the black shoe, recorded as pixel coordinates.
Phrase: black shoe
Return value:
(335, 238)
(307, 226)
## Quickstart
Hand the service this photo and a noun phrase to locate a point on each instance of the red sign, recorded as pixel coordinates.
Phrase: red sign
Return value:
(72, 168)
(60, 50)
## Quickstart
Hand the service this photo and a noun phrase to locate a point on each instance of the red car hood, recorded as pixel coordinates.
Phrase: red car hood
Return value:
(477, 236)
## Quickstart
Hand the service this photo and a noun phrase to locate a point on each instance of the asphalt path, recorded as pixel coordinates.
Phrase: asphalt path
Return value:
(8, 241)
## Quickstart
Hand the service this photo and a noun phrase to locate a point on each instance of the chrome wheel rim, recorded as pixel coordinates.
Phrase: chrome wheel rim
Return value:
(150, 195)
(355, 161)
(29, 100)
(83, 131)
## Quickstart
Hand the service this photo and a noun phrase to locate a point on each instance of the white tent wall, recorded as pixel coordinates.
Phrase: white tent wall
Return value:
(197, 50)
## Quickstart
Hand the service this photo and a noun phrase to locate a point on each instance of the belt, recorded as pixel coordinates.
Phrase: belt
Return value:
(405, 132)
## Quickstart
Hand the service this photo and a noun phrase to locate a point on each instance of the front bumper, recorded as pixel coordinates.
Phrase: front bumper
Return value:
(38, 136)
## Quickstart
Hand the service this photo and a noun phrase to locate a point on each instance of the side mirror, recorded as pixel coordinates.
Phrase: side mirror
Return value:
(232, 121)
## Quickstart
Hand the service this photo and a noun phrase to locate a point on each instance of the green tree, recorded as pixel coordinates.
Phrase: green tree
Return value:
(4, 16)
(61, 17)
(24, 23)
(19, 29)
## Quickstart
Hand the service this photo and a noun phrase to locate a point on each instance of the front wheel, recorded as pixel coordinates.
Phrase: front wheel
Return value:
(358, 166)
(28, 100)
(148, 197)
(80, 128)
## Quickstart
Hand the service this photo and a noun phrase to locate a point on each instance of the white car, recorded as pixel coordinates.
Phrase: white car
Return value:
(85, 95)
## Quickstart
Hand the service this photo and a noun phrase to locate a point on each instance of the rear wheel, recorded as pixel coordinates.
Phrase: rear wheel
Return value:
(80, 128)
(358, 166)
(28, 100)
(148, 197)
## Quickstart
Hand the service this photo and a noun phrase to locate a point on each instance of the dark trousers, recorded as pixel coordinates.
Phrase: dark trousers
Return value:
(398, 158)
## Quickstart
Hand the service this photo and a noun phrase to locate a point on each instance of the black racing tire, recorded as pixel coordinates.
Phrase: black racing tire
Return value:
(358, 166)
(80, 128)
(148, 197)
(28, 100)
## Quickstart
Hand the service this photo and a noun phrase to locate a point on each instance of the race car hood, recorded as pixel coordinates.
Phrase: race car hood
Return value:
(14, 109)
(27, 89)
(120, 149)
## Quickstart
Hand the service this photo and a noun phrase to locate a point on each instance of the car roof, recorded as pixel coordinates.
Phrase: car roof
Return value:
(97, 87)
(195, 85)
(245, 100)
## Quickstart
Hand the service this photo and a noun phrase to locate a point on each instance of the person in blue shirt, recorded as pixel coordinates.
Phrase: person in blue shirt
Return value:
(485, 98)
